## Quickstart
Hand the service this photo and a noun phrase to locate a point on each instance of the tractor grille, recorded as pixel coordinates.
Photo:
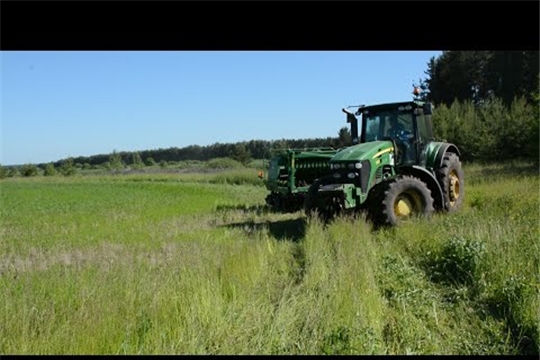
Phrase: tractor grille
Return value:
(361, 179)
(364, 175)
(313, 165)
(378, 174)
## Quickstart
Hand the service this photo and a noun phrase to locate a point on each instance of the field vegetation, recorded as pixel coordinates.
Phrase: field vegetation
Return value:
(184, 262)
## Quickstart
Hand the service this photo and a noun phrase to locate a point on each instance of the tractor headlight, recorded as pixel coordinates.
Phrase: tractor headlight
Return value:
(358, 165)
(351, 175)
(337, 175)
(334, 166)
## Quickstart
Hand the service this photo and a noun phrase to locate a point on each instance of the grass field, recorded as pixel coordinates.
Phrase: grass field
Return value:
(194, 264)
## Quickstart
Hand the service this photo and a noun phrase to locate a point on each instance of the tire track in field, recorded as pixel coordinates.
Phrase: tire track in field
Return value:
(282, 227)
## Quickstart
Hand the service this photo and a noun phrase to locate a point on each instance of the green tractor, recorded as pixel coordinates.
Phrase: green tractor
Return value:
(395, 170)
(290, 174)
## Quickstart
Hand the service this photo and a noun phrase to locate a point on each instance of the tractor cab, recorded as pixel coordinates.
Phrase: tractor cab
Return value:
(407, 124)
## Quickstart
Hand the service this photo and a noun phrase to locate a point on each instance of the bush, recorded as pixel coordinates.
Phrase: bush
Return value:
(29, 170)
(508, 301)
(223, 163)
(115, 161)
(150, 162)
(490, 131)
(12, 172)
(68, 167)
(136, 161)
(458, 262)
(49, 170)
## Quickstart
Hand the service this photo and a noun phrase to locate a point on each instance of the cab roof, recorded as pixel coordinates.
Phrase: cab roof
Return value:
(389, 106)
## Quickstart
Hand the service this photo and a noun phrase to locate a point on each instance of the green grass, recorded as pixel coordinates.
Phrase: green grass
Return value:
(194, 264)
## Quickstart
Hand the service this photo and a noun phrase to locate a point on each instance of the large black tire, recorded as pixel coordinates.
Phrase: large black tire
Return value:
(451, 178)
(273, 200)
(403, 199)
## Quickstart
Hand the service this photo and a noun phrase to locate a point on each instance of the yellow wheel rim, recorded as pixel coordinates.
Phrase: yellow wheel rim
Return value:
(454, 187)
(407, 204)
(403, 207)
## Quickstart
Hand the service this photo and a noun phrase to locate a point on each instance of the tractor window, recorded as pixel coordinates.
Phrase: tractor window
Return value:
(425, 128)
(385, 124)
(372, 128)
(393, 123)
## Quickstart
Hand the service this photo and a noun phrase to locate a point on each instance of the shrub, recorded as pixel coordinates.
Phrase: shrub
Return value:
(68, 167)
(115, 161)
(507, 301)
(150, 162)
(490, 131)
(223, 163)
(29, 170)
(49, 170)
(12, 172)
(458, 262)
(136, 161)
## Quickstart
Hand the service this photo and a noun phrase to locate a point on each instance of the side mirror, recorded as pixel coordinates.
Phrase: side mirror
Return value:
(428, 109)
(353, 120)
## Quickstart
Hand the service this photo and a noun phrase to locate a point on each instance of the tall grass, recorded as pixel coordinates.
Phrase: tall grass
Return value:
(194, 264)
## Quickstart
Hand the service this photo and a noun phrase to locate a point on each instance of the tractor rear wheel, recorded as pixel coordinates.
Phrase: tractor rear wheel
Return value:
(450, 176)
(403, 199)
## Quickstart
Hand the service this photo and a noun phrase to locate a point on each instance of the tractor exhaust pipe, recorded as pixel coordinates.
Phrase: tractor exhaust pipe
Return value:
(354, 125)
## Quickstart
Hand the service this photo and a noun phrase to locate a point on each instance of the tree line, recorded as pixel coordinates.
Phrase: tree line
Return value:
(243, 151)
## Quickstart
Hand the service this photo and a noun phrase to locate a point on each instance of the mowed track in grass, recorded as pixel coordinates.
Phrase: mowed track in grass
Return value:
(194, 264)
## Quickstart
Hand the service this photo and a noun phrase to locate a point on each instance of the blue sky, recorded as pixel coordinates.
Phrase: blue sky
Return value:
(60, 104)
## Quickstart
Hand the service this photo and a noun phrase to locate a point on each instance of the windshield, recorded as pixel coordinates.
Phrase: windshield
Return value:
(386, 124)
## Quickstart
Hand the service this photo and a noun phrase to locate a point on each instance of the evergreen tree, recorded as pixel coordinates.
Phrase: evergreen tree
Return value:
(241, 154)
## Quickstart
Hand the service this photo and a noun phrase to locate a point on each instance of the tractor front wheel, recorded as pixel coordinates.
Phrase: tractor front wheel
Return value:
(403, 199)
(450, 176)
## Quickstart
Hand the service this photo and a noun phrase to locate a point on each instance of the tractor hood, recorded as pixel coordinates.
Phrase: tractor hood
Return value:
(362, 151)
(315, 155)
